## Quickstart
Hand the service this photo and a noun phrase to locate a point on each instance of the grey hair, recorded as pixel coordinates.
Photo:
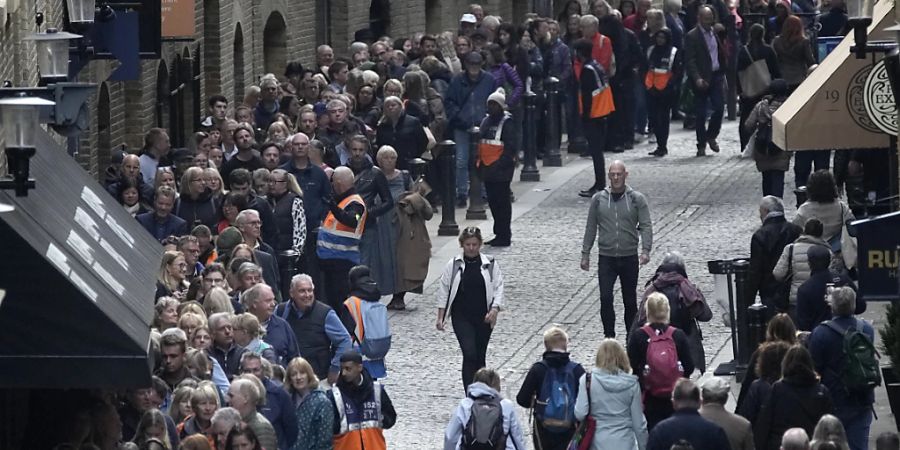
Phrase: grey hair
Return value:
(675, 258)
(228, 416)
(248, 389)
(249, 297)
(243, 215)
(248, 267)
(301, 277)
(795, 439)
(711, 394)
(590, 19)
(356, 47)
(772, 203)
(843, 301)
(216, 318)
(250, 355)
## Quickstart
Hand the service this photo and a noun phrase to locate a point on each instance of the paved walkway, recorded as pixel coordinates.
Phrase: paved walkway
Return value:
(706, 208)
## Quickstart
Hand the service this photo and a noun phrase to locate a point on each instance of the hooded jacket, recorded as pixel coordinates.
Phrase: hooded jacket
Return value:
(615, 403)
(794, 58)
(617, 225)
(454, 432)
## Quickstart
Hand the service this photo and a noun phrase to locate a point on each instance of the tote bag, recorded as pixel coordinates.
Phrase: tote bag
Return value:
(755, 79)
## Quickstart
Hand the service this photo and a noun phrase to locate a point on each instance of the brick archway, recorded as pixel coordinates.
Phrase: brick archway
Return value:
(238, 64)
(275, 44)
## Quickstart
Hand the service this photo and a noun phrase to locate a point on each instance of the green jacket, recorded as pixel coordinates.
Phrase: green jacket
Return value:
(616, 225)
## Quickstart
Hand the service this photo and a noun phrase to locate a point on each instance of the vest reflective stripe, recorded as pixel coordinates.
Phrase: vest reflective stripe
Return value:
(490, 150)
(602, 103)
(361, 434)
(354, 307)
(338, 241)
(658, 77)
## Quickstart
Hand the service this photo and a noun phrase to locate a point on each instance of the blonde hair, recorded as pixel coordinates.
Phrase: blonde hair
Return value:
(182, 393)
(299, 364)
(163, 274)
(205, 392)
(658, 308)
(611, 357)
(216, 301)
(190, 317)
(213, 172)
(249, 323)
(555, 337)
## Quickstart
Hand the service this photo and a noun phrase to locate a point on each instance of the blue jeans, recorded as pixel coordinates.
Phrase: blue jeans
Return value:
(625, 268)
(714, 98)
(461, 137)
(857, 422)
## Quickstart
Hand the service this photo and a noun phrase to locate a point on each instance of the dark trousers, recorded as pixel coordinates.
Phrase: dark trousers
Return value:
(773, 183)
(336, 276)
(659, 109)
(596, 132)
(805, 161)
(710, 101)
(625, 268)
(309, 263)
(621, 128)
(747, 106)
(473, 335)
(546, 440)
(498, 197)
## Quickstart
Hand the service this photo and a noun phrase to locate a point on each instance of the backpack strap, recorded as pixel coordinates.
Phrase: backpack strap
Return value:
(649, 330)
(669, 333)
(834, 327)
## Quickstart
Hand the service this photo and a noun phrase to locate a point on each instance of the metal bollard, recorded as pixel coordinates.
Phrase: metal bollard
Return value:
(756, 314)
(447, 164)
(529, 134)
(552, 157)
(476, 202)
(743, 302)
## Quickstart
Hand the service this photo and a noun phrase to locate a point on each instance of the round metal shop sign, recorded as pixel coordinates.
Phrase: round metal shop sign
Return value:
(878, 98)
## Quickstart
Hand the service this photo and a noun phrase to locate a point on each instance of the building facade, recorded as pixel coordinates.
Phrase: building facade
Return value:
(234, 43)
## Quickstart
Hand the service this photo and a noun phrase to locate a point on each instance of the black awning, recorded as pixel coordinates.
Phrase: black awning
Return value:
(79, 274)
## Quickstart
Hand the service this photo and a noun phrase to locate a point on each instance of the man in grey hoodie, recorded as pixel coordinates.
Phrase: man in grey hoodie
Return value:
(619, 219)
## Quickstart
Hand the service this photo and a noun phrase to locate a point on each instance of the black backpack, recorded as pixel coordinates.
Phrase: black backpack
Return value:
(763, 140)
(484, 430)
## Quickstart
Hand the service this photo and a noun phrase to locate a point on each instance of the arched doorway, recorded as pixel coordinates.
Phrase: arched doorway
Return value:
(176, 126)
(322, 23)
(432, 16)
(238, 65)
(104, 135)
(212, 47)
(197, 114)
(275, 44)
(162, 95)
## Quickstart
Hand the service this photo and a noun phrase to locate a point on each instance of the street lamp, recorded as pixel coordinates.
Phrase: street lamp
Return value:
(53, 54)
(20, 118)
(860, 14)
(81, 12)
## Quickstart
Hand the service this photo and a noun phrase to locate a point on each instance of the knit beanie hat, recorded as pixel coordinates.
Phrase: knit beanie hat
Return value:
(499, 96)
(228, 239)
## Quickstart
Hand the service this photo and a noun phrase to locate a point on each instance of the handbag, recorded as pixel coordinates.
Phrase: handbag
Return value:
(755, 79)
(584, 433)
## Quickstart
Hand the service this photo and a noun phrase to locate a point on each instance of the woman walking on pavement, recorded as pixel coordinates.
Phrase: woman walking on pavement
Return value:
(472, 292)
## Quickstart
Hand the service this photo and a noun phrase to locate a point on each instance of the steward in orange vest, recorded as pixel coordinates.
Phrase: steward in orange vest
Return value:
(496, 160)
(663, 75)
(362, 408)
(595, 104)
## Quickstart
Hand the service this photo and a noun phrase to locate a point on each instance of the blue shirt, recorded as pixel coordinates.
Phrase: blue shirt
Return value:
(712, 45)
(280, 336)
(826, 348)
(172, 225)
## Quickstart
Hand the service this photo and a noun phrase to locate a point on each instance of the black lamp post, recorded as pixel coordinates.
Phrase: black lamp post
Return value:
(19, 116)
(860, 14)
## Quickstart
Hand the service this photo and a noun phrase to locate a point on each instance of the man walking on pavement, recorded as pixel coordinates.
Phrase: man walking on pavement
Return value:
(705, 66)
(619, 219)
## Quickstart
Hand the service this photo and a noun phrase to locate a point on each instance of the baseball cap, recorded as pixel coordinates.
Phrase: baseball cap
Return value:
(468, 18)
(474, 58)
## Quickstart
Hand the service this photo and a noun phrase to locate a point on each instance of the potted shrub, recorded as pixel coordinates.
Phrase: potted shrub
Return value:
(890, 346)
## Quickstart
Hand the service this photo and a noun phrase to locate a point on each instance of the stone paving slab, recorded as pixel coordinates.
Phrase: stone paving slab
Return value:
(703, 207)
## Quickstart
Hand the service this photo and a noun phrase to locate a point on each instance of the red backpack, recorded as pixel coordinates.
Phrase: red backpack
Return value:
(663, 368)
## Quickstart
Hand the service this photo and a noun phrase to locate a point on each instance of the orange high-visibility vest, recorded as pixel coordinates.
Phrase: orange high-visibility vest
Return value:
(602, 103)
(338, 241)
(490, 150)
(360, 428)
(658, 77)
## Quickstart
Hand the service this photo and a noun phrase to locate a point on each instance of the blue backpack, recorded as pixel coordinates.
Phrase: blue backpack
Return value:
(373, 331)
(555, 404)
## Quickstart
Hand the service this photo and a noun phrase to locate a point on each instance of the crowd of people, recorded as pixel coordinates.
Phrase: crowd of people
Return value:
(299, 206)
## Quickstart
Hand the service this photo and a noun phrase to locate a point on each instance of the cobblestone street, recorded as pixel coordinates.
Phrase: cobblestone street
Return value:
(705, 208)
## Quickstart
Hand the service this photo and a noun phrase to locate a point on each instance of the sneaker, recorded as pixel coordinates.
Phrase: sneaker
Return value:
(713, 145)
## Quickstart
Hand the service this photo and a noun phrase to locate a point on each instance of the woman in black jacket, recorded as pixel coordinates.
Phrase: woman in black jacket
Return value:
(401, 131)
(766, 371)
(657, 408)
(196, 204)
(798, 400)
(755, 50)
